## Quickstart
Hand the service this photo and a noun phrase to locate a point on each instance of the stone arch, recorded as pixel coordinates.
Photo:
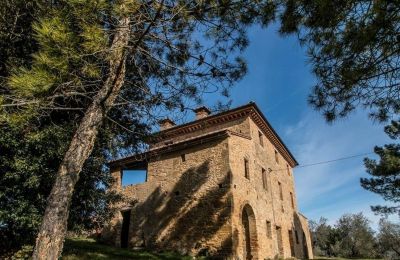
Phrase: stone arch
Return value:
(250, 243)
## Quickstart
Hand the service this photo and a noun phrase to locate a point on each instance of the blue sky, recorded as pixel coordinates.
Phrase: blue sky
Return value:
(279, 80)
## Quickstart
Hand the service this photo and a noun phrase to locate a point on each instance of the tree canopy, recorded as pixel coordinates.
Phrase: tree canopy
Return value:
(385, 173)
(353, 47)
(112, 66)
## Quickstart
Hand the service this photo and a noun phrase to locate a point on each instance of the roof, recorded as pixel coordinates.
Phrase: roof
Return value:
(137, 159)
(250, 109)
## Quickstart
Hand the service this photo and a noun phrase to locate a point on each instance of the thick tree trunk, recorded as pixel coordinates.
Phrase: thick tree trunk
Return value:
(49, 242)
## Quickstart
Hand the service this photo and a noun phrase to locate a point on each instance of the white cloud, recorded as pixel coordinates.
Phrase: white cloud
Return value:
(332, 189)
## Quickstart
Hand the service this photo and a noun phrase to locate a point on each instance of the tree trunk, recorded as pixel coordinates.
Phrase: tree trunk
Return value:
(50, 240)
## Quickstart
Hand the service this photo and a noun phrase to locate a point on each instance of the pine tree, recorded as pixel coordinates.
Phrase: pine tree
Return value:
(353, 47)
(126, 59)
(385, 174)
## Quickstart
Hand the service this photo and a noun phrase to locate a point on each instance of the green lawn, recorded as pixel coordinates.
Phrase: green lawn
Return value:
(83, 248)
(338, 258)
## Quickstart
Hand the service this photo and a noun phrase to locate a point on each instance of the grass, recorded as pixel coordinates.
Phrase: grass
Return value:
(84, 248)
(339, 258)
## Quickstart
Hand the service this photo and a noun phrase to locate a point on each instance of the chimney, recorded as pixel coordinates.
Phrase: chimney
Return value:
(202, 112)
(166, 124)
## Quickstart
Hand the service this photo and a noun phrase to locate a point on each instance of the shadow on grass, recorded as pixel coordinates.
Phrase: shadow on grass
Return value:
(82, 248)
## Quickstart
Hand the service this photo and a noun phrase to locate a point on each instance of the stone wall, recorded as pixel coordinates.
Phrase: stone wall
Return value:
(202, 203)
(266, 202)
(185, 205)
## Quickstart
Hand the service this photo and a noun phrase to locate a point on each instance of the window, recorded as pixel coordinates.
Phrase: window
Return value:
(246, 169)
(132, 177)
(291, 243)
(276, 157)
(280, 190)
(261, 138)
(292, 200)
(297, 236)
(288, 169)
(269, 231)
(264, 179)
(183, 157)
(279, 240)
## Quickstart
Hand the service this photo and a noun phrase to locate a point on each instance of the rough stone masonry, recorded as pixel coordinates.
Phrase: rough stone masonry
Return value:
(219, 186)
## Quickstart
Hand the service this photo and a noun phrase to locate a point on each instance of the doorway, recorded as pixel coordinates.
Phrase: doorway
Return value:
(126, 218)
(250, 233)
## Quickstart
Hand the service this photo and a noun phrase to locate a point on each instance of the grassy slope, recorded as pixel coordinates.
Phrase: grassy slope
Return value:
(82, 248)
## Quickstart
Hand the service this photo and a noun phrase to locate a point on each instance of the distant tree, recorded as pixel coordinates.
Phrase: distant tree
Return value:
(128, 59)
(389, 239)
(354, 51)
(385, 174)
(323, 237)
(356, 238)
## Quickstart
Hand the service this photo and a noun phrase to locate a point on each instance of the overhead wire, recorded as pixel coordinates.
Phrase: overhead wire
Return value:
(329, 161)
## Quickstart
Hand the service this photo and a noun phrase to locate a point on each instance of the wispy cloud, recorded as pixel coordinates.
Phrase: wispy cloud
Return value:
(333, 189)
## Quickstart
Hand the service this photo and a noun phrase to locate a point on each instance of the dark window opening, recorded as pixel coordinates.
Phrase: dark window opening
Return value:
(220, 185)
(133, 176)
(246, 169)
(280, 191)
(269, 231)
(297, 236)
(264, 179)
(288, 169)
(261, 138)
(279, 240)
(177, 193)
(183, 157)
(291, 243)
(276, 157)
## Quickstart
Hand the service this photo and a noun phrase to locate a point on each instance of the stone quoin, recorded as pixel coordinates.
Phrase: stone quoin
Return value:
(219, 186)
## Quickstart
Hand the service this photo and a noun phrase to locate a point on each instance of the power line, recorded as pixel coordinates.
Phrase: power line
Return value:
(329, 161)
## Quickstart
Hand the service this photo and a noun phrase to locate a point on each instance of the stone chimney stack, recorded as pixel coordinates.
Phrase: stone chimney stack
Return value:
(166, 124)
(202, 112)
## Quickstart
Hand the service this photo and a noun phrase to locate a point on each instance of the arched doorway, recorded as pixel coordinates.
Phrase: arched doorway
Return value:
(250, 233)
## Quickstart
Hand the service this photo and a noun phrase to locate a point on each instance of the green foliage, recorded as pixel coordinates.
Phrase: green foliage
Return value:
(389, 239)
(353, 49)
(385, 174)
(177, 50)
(351, 237)
(356, 238)
(323, 237)
(28, 164)
(24, 253)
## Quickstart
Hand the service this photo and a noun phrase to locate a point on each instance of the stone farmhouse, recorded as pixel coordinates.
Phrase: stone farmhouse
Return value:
(219, 186)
